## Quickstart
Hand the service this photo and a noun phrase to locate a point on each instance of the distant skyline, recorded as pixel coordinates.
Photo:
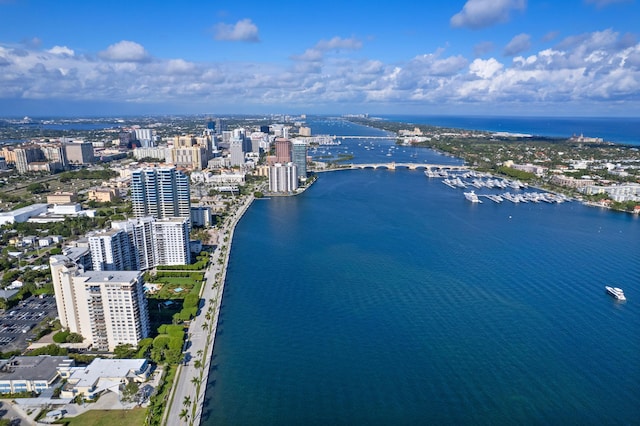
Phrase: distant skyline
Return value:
(474, 57)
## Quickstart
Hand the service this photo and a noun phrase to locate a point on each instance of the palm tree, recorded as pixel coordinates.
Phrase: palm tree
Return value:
(184, 415)
(186, 401)
(196, 381)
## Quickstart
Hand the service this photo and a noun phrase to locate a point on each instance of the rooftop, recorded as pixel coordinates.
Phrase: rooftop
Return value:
(42, 367)
(107, 369)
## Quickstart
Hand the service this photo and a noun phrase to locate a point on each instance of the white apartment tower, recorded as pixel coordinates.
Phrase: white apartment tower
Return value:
(147, 242)
(283, 177)
(141, 240)
(160, 192)
(112, 251)
(171, 241)
(106, 308)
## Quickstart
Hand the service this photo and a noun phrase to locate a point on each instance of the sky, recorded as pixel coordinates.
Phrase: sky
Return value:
(473, 57)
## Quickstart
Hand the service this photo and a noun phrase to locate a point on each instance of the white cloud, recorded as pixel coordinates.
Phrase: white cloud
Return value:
(518, 44)
(485, 68)
(316, 53)
(180, 66)
(587, 68)
(61, 50)
(339, 43)
(243, 30)
(125, 51)
(484, 13)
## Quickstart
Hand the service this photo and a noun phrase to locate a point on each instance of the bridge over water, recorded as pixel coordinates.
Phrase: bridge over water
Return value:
(394, 165)
(364, 137)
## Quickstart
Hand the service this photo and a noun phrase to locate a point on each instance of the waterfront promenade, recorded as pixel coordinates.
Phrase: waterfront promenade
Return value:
(188, 391)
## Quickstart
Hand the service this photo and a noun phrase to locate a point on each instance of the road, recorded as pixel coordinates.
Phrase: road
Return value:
(201, 334)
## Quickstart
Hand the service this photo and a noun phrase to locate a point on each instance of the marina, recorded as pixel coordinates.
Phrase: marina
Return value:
(466, 179)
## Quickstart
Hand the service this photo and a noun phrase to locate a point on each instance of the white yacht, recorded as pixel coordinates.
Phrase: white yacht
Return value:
(471, 196)
(616, 292)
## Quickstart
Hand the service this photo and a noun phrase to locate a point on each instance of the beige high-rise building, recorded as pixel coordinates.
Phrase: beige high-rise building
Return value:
(79, 152)
(192, 158)
(107, 308)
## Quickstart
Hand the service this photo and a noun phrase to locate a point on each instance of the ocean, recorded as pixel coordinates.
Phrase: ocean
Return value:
(384, 297)
(623, 130)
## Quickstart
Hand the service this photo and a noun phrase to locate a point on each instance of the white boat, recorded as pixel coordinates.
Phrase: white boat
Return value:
(616, 292)
(471, 196)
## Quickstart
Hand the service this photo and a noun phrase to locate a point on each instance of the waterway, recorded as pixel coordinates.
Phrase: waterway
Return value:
(385, 297)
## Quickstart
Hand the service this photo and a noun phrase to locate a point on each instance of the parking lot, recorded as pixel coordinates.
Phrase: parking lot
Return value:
(17, 324)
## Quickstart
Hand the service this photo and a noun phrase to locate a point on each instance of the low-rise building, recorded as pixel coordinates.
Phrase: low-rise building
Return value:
(23, 214)
(105, 375)
(102, 195)
(62, 198)
(201, 216)
(31, 373)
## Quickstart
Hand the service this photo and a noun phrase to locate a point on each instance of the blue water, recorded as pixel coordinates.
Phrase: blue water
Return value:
(383, 297)
(624, 130)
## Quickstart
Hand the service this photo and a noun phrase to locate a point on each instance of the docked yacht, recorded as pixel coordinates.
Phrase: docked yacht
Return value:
(472, 196)
(615, 292)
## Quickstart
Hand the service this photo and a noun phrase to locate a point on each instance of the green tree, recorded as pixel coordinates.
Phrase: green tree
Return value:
(61, 336)
(75, 338)
(124, 351)
(129, 391)
(37, 188)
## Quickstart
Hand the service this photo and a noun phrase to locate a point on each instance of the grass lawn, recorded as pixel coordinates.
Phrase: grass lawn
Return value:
(134, 417)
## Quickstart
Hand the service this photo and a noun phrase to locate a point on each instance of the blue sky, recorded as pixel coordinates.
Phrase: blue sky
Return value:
(474, 57)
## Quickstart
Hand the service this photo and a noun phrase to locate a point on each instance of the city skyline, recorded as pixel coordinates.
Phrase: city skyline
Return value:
(476, 57)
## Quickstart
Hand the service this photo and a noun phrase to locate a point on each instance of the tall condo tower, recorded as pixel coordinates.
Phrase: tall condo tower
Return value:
(107, 308)
(283, 150)
(299, 158)
(160, 192)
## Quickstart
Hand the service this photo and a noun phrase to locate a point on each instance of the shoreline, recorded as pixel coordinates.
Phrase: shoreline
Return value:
(207, 319)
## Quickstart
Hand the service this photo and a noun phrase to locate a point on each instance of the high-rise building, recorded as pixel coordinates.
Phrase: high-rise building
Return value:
(79, 153)
(299, 158)
(160, 192)
(57, 156)
(283, 178)
(141, 240)
(146, 242)
(283, 150)
(171, 241)
(193, 157)
(25, 155)
(236, 149)
(112, 251)
(108, 308)
(145, 136)
(127, 138)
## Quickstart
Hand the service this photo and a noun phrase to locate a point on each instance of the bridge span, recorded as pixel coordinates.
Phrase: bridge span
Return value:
(364, 137)
(410, 166)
